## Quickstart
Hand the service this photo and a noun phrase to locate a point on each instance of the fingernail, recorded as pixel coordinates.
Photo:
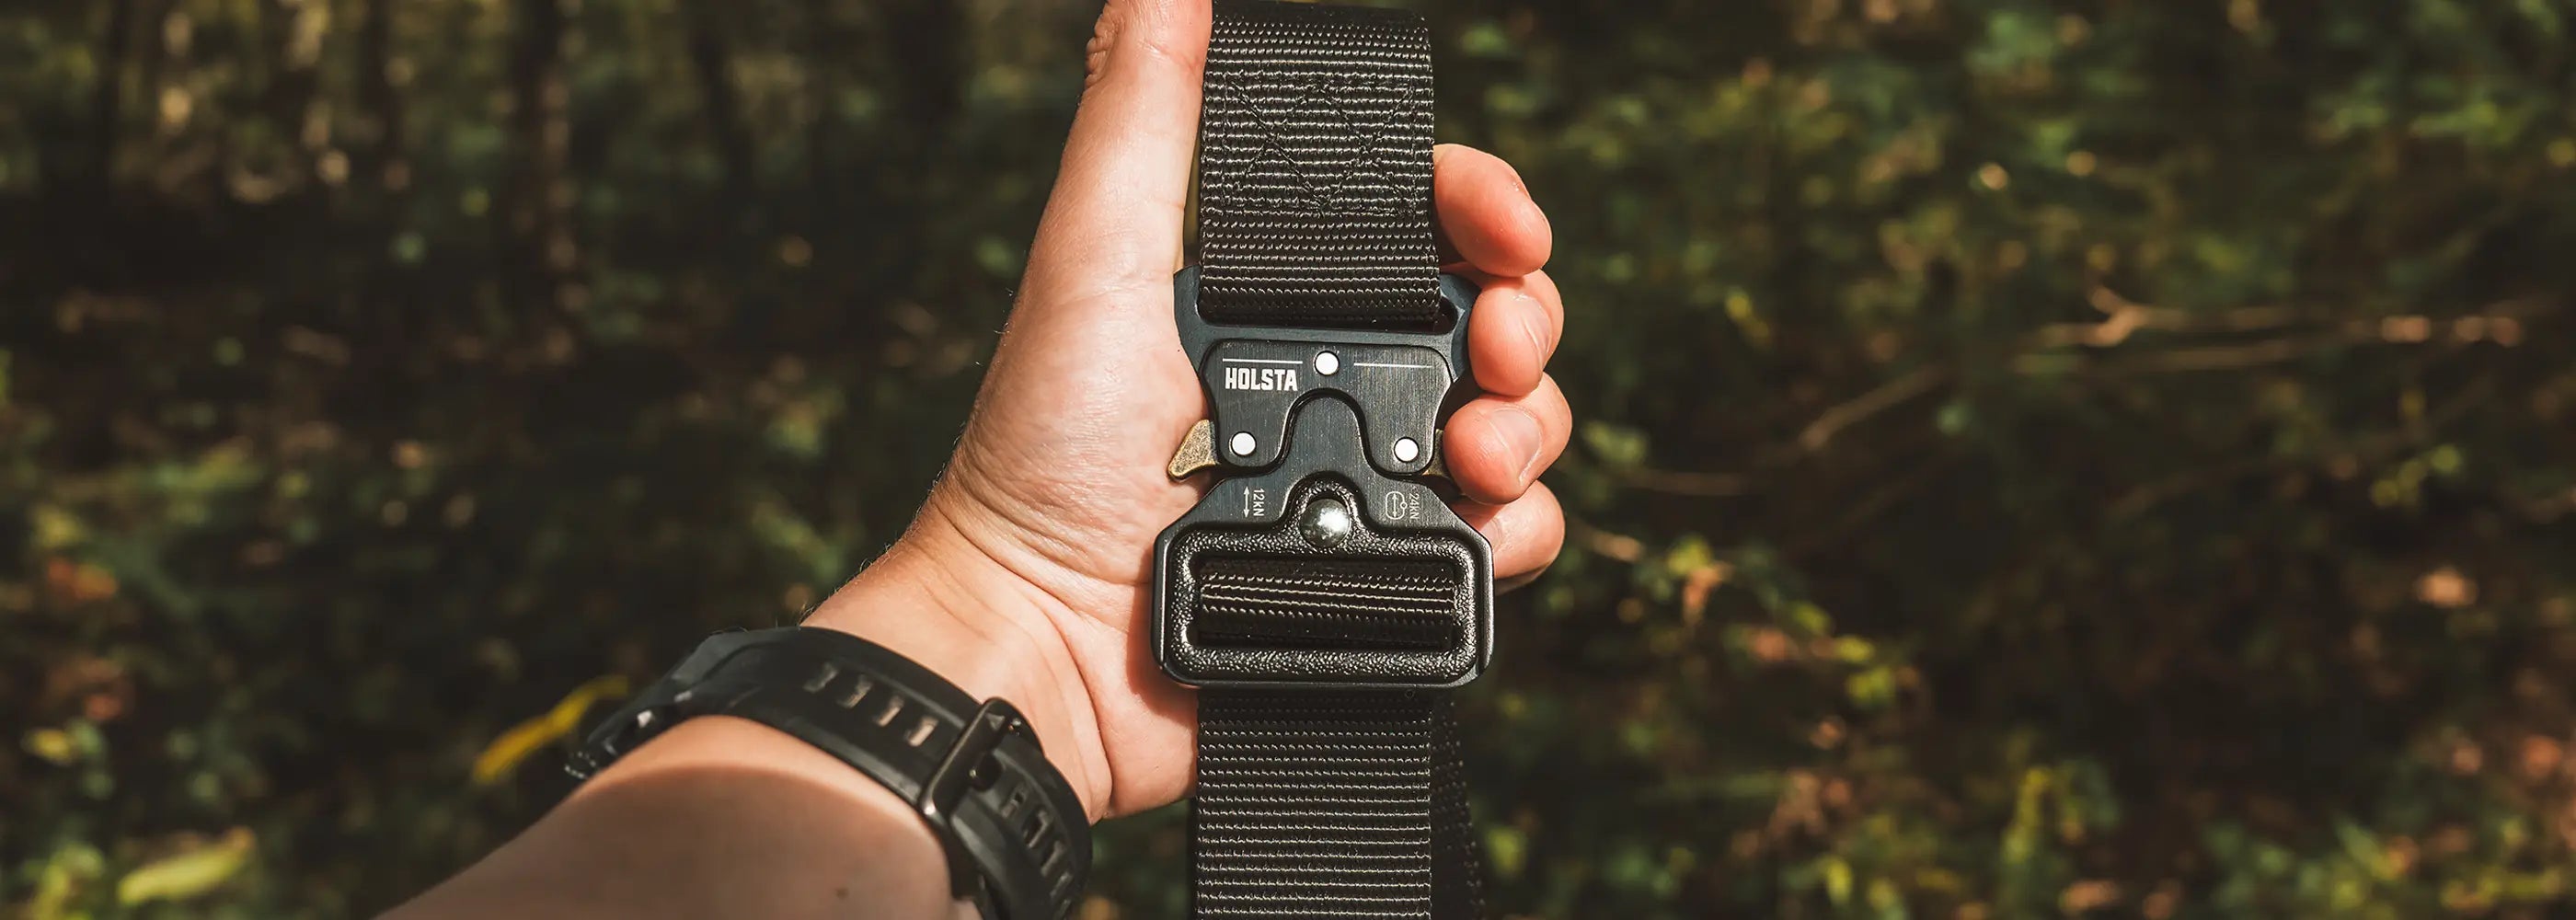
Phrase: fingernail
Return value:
(1520, 432)
(1535, 325)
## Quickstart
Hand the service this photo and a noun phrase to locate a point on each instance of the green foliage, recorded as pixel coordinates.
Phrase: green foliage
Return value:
(2038, 458)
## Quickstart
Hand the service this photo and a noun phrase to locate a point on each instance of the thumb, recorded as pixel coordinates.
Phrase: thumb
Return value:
(1113, 222)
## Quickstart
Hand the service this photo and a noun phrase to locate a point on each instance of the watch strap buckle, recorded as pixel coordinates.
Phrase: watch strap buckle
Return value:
(967, 764)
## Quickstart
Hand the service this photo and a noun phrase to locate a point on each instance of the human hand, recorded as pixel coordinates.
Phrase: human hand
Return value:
(1027, 574)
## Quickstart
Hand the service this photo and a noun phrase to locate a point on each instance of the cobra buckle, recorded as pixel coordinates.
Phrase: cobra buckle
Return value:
(1322, 556)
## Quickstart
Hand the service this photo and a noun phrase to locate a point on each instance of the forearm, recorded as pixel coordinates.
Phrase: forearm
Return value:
(728, 817)
(720, 817)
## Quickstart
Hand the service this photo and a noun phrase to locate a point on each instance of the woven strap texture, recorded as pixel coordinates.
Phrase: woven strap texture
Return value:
(1309, 603)
(1315, 168)
(1315, 211)
(1329, 803)
(1325, 803)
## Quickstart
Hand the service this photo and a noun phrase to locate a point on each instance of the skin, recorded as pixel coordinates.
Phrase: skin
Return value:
(1025, 574)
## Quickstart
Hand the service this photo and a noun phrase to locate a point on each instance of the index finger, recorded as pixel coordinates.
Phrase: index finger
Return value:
(1484, 214)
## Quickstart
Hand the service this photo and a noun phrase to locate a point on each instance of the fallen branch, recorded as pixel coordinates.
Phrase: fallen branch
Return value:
(2372, 448)
(1604, 543)
(2041, 354)
(1685, 482)
(1885, 396)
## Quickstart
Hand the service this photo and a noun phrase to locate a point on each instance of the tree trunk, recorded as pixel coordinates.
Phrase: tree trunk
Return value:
(540, 212)
(107, 102)
(379, 158)
(293, 78)
(709, 56)
(821, 38)
(927, 42)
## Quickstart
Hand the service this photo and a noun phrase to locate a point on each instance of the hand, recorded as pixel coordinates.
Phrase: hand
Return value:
(1027, 573)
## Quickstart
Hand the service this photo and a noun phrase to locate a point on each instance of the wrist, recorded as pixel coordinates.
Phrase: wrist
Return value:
(936, 599)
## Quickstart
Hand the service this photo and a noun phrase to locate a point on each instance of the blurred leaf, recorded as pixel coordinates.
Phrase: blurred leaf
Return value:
(190, 873)
(69, 870)
(53, 745)
(502, 757)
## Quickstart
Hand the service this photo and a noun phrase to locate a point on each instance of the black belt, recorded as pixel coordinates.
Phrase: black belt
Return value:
(1322, 595)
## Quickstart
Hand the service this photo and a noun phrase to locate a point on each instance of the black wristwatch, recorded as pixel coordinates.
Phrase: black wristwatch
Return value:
(1015, 835)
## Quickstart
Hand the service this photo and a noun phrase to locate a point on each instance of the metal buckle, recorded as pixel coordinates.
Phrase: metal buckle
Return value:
(1326, 445)
(968, 764)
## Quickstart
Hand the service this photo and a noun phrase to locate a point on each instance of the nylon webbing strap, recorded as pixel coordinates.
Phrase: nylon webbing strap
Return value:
(1302, 603)
(1315, 167)
(1315, 211)
(1322, 803)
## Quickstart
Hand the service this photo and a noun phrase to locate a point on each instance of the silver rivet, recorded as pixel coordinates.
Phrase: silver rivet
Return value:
(1407, 450)
(1328, 363)
(1243, 444)
(1327, 523)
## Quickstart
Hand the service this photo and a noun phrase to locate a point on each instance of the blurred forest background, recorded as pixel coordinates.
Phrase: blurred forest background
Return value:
(2106, 457)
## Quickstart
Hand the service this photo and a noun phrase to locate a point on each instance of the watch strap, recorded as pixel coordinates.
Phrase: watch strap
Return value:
(1015, 834)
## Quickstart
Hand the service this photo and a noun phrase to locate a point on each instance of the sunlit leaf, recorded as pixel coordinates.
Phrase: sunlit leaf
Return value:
(190, 873)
